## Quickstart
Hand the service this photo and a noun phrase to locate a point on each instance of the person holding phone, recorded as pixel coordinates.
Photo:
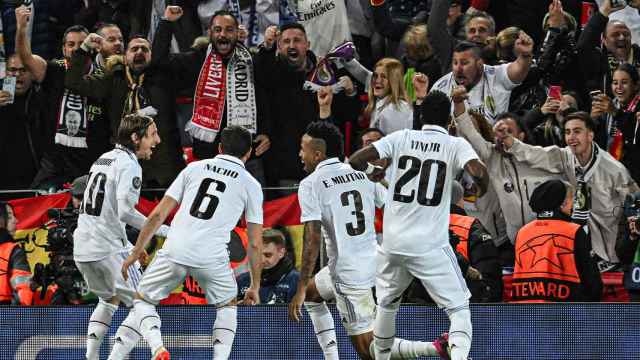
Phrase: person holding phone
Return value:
(22, 130)
(545, 124)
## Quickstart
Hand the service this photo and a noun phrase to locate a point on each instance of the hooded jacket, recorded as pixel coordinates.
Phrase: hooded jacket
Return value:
(607, 180)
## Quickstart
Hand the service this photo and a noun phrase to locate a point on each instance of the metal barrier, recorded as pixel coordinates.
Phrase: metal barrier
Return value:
(501, 331)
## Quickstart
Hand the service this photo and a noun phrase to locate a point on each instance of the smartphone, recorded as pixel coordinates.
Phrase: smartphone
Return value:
(555, 92)
(618, 3)
(594, 93)
(9, 85)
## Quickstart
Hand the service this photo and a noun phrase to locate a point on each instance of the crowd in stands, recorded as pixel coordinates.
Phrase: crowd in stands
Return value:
(552, 89)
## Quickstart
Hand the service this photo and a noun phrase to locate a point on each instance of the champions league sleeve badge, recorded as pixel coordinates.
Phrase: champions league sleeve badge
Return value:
(508, 187)
(137, 183)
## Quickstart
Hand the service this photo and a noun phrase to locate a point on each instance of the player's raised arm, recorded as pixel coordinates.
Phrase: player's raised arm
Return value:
(151, 225)
(479, 173)
(311, 248)
(252, 295)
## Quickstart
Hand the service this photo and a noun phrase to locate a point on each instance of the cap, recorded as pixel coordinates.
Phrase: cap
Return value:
(78, 186)
(548, 196)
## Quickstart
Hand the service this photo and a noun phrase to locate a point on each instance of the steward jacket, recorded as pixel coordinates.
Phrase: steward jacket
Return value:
(15, 274)
(553, 262)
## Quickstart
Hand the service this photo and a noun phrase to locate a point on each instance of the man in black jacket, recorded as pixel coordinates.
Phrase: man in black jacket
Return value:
(22, 129)
(282, 71)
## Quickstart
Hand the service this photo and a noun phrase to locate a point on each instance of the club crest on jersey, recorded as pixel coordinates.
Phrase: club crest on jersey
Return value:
(137, 182)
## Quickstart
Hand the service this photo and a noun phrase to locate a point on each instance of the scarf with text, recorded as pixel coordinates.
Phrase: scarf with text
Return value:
(71, 127)
(136, 96)
(219, 83)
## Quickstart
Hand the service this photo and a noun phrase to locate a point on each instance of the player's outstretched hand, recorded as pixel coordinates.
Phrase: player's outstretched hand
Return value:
(251, 297)
(295, 306)
(127, 263)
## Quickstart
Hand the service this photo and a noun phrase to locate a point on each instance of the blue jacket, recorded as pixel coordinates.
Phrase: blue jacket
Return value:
(40, 36)
(279, 293)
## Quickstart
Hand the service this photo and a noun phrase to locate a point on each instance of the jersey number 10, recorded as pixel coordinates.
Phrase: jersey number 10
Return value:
(92, 205)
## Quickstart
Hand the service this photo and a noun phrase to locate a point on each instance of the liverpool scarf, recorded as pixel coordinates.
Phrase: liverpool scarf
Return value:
(219, 84)
(71, 127)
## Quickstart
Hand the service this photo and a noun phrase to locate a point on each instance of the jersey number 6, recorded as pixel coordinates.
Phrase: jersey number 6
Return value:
(203, 193)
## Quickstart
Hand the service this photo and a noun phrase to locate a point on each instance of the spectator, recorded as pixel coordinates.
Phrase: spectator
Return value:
(618, 118)
(477, 248)
(193, 69)
(601, 183)
(15, 274)
(77, 139)
(23, 128)
(543, 272)
(597, 62)
(488, 87)
(479, 28)
(132, 83)
(279, 277)
(38, 32)
(512, 181)
(369, 136)
(78, 186)
(112, 44)
(546, 124)
(628, 249)
(326, 23)
(127, 15)
(282, 73)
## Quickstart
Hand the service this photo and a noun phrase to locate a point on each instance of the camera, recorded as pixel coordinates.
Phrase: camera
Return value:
(632, 207)
(61, 270)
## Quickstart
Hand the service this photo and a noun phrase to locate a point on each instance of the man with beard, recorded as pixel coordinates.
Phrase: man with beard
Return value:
(601, 183)
(71, 152)
(489, 87)
(129, 84)
(221, 71)
(597, 62)
(279, 276)
(112, 44)
(283, 64)
(479, 28)
(22, 130)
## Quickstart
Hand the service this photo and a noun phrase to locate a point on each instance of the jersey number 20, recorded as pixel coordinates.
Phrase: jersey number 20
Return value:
(430, 171)
(203, 193)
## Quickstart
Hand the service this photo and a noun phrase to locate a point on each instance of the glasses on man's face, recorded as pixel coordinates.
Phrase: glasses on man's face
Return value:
(16, 71)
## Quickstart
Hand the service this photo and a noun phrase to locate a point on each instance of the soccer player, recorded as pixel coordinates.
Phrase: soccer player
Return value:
(213, 194)
(100, 243)
(341, 201)
(416, 237)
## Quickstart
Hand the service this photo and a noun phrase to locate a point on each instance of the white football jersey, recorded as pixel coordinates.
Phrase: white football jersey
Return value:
(116, 175)
(344, 200)
(424, 163)
(213, 194)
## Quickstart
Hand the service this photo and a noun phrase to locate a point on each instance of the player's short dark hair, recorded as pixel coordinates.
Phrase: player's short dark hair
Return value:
(463, 46)
(582, 116)
(137, 36)
(74, 29)
(330, 134)
(235, 140)
(436, 108)
(293, 25)
(275, 237)
(105, 25)
(223, 13)
(132, 124)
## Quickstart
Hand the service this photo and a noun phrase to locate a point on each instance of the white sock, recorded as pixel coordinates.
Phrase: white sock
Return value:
(99, 325)
(384, 330)
(224, 331)
(324, 328)
(406, 349)
(127, 337)
(460, 332)
(149, 324)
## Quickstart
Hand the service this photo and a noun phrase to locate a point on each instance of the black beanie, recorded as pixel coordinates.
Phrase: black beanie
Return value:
(548, 196)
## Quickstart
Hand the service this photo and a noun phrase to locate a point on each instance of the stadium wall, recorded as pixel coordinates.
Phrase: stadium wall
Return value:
(501, 331)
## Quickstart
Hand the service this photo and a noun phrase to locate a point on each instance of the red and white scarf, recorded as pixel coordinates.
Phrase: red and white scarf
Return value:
(72, 127)
(219, 83)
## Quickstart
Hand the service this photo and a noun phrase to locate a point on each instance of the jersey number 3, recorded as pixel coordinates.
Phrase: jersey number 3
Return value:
(357, 202)
(432, 175)
(203, 193)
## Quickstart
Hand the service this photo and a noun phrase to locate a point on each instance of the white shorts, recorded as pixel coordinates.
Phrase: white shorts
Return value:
(438, 271)
(104, 277)
(163, 276)
(356, 306)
